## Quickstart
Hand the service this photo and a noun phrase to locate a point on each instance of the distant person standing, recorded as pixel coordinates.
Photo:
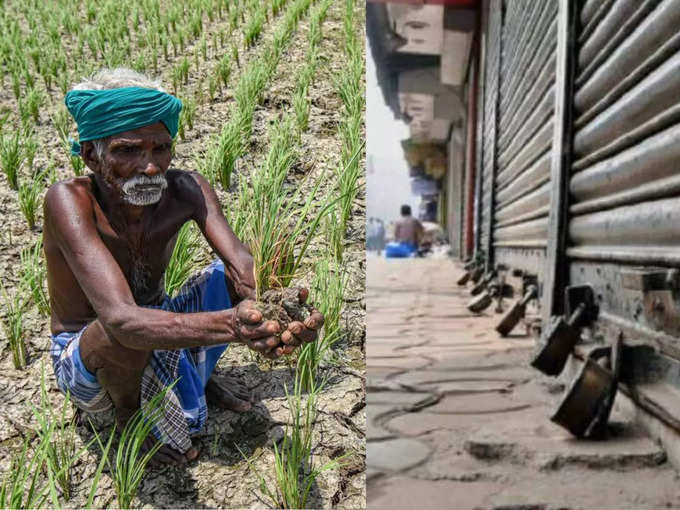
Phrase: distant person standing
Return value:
(371, 235)
(379, 236)
(408, 232)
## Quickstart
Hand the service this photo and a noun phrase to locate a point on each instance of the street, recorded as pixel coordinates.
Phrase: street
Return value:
(458, 419)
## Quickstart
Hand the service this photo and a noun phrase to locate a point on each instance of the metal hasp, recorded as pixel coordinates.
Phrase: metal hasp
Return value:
(469, 266)
(498, 289)
(561, 336)
(477, 273)
(516, 313)
(586, 405)
(483, 283)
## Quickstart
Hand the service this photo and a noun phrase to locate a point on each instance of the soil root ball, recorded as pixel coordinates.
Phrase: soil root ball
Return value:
(283, 305)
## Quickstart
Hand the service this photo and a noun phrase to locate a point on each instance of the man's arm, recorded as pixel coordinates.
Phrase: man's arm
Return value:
(69, 216)
(239, 262)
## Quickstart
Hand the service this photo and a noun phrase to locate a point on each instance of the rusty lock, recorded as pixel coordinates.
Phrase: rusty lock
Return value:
(483, 283)
(477, 273)
(516, 313)
(561, 336)
(484, 300)
(586, 405)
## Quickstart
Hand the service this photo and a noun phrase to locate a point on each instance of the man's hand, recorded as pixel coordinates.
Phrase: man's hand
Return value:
(249, 329)
(300, 332)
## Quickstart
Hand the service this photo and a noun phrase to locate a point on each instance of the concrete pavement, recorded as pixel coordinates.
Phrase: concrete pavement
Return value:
(458, 419)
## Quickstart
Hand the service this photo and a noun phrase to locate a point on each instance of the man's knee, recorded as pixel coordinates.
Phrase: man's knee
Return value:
(99, 350)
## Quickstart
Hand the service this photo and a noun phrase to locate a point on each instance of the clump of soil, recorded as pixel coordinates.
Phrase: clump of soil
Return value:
(283, 305)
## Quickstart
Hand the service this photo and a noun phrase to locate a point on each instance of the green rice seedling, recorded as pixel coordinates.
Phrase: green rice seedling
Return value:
(279, 232)
(62, 122)
(30, 147)
(234, 55)
(224, 70)
(29, 198)
(58, 433)
(21, 487)
(102, 462)
(77, 164)
(31, 104)
(294, 469)
(225, 152)
(130, 461)
(13, 324)
(34, 275)
(348, 178)
(11, 158)
(328, 289)
(253, 29)
(186, 118)
(51, 172)
(301, 106)
(212, 87)
(183, 260)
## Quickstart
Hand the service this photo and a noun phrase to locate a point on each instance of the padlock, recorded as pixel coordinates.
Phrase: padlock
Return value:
(516, 312)
(483, 283)
(559, 340)
(481, 302)
(464, 279)
(477, 274)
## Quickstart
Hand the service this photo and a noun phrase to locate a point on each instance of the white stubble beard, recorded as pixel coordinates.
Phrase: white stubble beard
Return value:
(134, 196)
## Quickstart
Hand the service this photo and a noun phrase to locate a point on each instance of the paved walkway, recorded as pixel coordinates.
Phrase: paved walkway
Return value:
(457, 418)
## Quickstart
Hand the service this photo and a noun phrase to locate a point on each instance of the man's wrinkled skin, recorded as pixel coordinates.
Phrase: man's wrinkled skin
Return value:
(106, 256)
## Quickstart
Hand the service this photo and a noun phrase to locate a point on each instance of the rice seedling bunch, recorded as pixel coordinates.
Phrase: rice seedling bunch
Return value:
(224, 70)
(11, 158)
(183, 261)
(29, 199)
(22, 486)
(294, 469)
(30, 148)
(301, 106)
(253, 29)
(186, 117)
(279, 231)
(13, 324)
(29, 106)
(328, 289)
(77, 164)
(58, 433)
(130, 462)
(34, 274)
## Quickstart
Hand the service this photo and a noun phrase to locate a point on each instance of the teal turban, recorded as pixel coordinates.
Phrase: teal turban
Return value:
(102, 113)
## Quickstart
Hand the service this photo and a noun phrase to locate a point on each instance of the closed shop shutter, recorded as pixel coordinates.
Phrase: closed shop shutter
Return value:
(625, 177)
(525, 134)
(491, 84)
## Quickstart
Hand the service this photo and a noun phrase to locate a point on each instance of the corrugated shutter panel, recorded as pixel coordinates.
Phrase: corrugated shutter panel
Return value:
(491, 85)
(625, 183)
(526, 127)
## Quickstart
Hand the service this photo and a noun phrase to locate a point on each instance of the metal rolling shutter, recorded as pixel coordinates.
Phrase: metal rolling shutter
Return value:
(526, 106)
(491, 84)
(625, 177)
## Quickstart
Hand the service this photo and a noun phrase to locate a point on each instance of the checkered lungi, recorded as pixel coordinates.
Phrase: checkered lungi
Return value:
(185, 409)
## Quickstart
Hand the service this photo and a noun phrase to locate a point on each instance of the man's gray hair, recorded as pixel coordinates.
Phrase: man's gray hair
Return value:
(115, 79)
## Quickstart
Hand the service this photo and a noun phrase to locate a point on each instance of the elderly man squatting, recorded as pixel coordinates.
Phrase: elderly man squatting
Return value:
(117, 338)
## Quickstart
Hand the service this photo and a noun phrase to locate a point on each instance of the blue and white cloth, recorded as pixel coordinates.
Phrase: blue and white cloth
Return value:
(398, 250)
(184, 409)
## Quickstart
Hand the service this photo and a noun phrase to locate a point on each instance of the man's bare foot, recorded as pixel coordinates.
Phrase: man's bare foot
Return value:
(227, 395)
(168, 455)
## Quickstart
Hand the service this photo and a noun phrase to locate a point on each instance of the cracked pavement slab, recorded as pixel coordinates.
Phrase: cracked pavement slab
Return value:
(485, 441)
